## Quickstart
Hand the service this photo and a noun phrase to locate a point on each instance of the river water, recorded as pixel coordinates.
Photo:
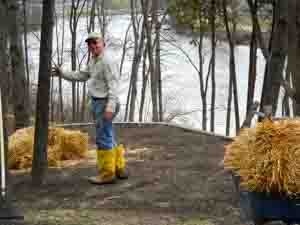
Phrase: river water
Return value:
(181, 92)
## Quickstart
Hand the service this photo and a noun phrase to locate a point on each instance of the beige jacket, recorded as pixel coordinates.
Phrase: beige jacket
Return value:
(101, 79)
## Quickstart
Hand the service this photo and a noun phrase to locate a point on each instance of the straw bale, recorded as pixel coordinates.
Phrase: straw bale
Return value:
(20, 148)
(54, 136)
(267, 157)
(74, 145)
(54, 156)
(62, 145)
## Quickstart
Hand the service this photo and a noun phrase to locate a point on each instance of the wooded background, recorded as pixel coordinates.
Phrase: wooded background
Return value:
(273, 30)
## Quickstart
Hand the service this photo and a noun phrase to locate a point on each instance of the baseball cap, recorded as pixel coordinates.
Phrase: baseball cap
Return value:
(93, 35)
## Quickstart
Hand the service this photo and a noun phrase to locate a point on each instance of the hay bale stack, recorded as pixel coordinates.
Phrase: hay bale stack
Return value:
(62, 145)
(74, 145)
(55, 136)
(267, 157)
(20, 148)
(54, 155)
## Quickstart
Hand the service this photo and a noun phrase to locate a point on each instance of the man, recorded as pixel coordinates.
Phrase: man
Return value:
(102, 87)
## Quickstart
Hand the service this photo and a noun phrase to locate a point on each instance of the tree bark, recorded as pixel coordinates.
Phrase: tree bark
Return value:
(286, 112)
(230, 36)
(277, 58)
(124, 50)
(76, 12)
(40, 162)
(91, 26)
(229, 103)
(128, 100)
(145, 74)
(73, 29)
(252, 64)
(102, 17)
(158, 72)
(60, 62)
(201, 79)
(138, 50)
(213, 64)
(20, 91)
(52, 90)
(253, 10)
(266, 81)
(153, 77)
(4, 72)
(294, 50)
(157, 45)
(157, 85)
(26, 46)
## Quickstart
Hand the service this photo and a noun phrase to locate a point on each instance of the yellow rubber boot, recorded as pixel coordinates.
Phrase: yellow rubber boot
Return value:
(107, 167)
(121, 171)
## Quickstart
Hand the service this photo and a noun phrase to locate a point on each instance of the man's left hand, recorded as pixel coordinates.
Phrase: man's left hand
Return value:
(108, 115)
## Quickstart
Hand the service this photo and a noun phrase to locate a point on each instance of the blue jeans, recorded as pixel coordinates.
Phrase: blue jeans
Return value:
(104, 128)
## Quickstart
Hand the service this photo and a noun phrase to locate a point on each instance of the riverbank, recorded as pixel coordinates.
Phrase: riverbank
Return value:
(242, 37)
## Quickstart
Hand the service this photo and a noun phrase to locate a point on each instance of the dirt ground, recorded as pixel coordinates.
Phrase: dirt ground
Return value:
(177, 178)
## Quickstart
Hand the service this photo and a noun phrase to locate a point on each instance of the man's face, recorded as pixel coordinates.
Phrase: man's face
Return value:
(96, 46)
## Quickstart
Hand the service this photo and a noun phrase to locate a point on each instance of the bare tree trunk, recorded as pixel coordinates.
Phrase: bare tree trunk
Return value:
(285, 102)
(83, 102)
(158, 67)
(202, 85)
(156, 63)
(280, 43)
(266, 82)
(157, 22)
(73, 26)
(40, 164)
(213, 64)
(160, 91)
(252, 64)
(229, 103)
(26, 46)
(128, 100)
(60, 62)
(153, 77)
(145, 74)
(277, 58)
(253, 10)
(77, 101)
(294, 50)
(51, 99)
(138, 50)
(91, 26)
(133, 22)
(124, 49)
(20, 92)
(4, 59)
(4, 73)
(232, 66)
(102, 17)
(76, 12)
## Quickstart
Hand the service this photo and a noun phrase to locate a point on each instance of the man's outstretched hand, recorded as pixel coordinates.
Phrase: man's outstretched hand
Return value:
(56, 71)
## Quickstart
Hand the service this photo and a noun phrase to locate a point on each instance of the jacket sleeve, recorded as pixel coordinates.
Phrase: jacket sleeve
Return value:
(111, 79)
(81, 75)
